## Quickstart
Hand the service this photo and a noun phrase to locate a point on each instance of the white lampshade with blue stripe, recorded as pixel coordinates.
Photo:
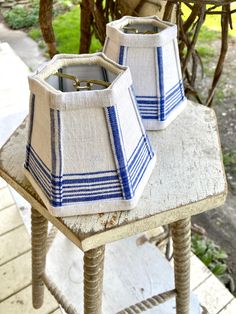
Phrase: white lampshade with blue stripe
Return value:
(149, 47)
(87, 149)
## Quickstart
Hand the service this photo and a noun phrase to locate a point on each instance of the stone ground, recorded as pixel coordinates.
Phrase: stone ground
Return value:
(220, 223)
(26, 48)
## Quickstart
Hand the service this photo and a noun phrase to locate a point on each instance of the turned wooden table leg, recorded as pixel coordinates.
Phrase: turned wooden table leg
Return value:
(93, 280)
(39, 226)
(181, 235)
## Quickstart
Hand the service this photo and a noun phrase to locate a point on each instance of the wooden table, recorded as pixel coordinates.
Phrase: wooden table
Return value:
(188, 179)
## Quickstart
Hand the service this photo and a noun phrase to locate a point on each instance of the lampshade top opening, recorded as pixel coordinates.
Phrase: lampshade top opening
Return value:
(139, 25)
(90, 77)
(73, 73)
(142, 28)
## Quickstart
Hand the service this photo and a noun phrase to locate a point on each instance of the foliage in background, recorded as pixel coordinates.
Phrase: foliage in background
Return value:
(210, 254)
(63, 6)
(67, 26)
(212, 23)
(229, 159)
(21, 17)
(67, 32)
(214, 257)
(210, 32)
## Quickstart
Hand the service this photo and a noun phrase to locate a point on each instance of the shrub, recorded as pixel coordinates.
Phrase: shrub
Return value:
(210, 254)
(35, 33)
(20, 17)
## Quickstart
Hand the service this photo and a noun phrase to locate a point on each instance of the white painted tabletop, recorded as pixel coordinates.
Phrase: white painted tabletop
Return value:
(188, 179)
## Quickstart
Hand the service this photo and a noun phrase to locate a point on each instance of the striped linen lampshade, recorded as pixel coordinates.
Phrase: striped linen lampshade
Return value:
(149, 47)
(87, 149)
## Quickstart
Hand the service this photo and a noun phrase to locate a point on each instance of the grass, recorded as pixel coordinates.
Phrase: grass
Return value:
(67, 32)
(205, 50)
(210, 31)
(212, 24)
(229, 159)
(219, 95)
(35, 33)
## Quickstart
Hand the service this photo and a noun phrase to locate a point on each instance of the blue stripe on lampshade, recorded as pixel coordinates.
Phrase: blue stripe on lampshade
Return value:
(53, 148)
(121, 55)
(150, 106)
(161, 82)
(92, 187)
(118, 152)
(80, 187)
(31, 119)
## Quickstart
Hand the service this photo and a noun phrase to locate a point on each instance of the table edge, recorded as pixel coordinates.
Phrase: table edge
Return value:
(92, 241)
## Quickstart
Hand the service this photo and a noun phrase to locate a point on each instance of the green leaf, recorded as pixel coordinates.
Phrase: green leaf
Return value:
(212, 265)
(219, 269)
(200, 250)
(221, 255)
(210, 254)
(207, 258)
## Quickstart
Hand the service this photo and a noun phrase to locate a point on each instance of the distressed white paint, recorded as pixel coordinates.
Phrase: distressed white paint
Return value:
(188, 179)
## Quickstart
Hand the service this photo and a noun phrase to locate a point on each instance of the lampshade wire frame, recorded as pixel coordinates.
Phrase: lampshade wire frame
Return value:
(134, 30)
(77, 82)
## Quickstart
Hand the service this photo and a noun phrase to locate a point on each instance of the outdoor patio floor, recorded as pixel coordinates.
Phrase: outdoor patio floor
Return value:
(15, 262)
(15, 270)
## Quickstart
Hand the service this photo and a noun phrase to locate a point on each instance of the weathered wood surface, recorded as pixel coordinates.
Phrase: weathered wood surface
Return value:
(199, 272)
(131, 274)
(6, 198)
(9, 219)
(188, 179)
(21, 303)
(13, 244)
(213, 295)
(15, 275)
(230, 308)
(15, 266)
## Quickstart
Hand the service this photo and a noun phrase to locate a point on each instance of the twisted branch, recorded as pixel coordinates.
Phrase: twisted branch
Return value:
(225, 19)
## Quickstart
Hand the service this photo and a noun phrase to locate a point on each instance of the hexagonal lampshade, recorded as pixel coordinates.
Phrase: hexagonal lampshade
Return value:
(87, 149)
(149, 47)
